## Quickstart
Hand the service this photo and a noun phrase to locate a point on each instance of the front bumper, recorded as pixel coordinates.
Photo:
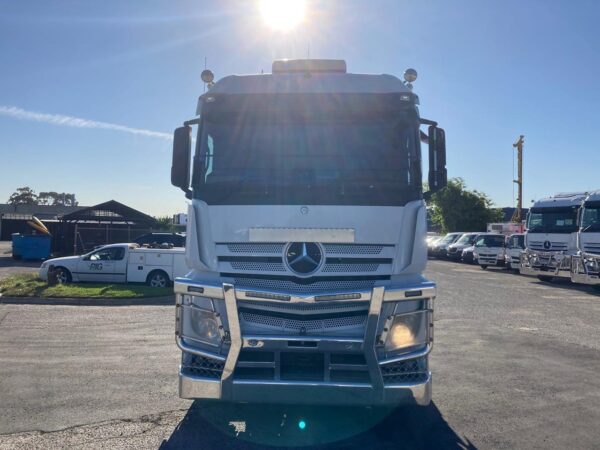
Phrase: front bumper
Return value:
(403, 379)
(490, 260)
(553, 264)
(581, 270)
(43, 273)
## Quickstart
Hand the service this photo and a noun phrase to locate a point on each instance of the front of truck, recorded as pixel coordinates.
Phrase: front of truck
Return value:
(585, 268)
(306, 236)
(551, 236)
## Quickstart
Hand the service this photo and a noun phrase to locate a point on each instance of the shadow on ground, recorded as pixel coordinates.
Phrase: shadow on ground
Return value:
(243, 426)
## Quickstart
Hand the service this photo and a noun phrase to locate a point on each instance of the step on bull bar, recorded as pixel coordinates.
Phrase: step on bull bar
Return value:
(224, 388)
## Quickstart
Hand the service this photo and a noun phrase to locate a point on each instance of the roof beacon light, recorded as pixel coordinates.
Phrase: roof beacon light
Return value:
(207, 76)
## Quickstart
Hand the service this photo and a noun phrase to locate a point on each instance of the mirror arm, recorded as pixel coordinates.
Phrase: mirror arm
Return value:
(428, 122)
(195, 121)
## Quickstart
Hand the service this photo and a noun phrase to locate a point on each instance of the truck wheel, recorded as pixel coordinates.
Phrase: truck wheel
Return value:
(484, 266)
(545, 278)
(158, 279)
(63, 275)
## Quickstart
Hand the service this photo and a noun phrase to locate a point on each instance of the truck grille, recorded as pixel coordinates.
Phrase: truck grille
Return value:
(287, 325)
(592, 247)
(349, 260)
(554, 246)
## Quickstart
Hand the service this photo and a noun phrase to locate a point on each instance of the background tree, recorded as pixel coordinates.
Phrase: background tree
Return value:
(455, 208)
(165, 223)
(56, 198)
(23, 196)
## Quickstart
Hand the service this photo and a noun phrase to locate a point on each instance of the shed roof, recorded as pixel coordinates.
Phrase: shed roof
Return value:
(109, 212)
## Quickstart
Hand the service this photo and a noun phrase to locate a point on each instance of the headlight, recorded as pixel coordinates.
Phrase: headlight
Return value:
(407, 331)
(205, 326)
(592, 265)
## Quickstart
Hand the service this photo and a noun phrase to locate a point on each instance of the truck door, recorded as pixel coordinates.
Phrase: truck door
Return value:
(99, 266)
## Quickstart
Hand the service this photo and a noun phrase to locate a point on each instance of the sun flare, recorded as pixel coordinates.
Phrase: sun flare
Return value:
(282, 15)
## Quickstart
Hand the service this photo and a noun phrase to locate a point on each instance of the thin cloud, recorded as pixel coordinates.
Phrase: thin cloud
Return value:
(76, 122)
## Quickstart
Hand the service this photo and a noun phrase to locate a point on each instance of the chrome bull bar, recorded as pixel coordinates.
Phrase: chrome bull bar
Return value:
(538, 263)
(585, 268)
(224, 388)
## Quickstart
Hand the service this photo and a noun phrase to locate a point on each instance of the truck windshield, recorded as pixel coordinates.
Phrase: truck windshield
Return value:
(590, 219)
(308, 155)
(552, 220)
(490, 241)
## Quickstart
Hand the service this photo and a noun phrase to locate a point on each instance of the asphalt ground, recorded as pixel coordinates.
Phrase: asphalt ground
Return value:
(515, 364)
(10, 266)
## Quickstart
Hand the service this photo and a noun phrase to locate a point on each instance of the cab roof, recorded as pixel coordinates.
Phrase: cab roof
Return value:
(593, 197)
(563, 199)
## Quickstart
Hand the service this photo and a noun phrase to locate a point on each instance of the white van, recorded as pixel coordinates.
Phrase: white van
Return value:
(121, 263)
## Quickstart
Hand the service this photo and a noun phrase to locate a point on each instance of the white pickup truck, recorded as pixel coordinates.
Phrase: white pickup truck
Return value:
(120, 263)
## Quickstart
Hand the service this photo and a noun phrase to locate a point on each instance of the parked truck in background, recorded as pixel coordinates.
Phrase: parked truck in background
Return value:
(551, 236)
(489, 249)
(515, 244)
(585, 267)
(306, 238)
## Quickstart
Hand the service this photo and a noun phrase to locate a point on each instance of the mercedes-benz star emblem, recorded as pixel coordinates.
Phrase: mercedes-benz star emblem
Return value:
(303, 258)
(547, 245)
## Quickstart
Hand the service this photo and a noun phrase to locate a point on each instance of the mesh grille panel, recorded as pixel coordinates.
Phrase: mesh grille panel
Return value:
(411, 371)
(317, 307)
(201, 366)
(353, 249)
(297, 324)
(350, 267)
(312, 288)
(255, 248)
(258, 266)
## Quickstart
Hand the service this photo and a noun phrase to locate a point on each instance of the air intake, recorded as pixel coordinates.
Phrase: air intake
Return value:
(309, 66)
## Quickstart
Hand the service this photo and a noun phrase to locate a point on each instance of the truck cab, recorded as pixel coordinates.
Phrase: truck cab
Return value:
(515, 244)
(551, 236)
(585, 267)
(306, 238)
(489, 249)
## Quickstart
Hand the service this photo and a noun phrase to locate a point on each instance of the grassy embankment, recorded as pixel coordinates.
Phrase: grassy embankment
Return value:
(29, 285)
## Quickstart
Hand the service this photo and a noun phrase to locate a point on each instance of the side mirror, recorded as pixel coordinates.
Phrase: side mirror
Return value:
(438, 175)
(182, 152)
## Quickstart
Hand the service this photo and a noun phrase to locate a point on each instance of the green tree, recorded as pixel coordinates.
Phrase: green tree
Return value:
(165, 223)
(23, 196)
(455, 208)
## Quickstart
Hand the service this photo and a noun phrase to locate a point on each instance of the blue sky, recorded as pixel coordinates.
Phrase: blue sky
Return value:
(488, 71)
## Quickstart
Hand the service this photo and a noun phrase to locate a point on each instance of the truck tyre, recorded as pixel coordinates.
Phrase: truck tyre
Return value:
(546, 278)
(63, 275)
(484, 266)
(158, 278)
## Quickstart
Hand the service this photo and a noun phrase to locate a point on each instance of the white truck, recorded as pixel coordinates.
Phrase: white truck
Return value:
(551, 236)
(489, 249)
(585, 267)
(515, 244)
(306, 238)
(120, 263)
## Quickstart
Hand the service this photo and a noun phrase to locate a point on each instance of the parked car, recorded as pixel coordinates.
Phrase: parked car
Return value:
(120, 263)
(455, 250)
(490, 249)
(440, 248)
(514, 246)
(468, 255)
(157, 239)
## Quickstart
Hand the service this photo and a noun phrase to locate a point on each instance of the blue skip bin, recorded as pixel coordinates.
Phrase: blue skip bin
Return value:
(30, 246)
